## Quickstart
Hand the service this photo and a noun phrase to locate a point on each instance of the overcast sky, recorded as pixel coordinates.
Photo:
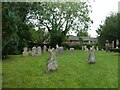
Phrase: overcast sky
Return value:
(101, 9)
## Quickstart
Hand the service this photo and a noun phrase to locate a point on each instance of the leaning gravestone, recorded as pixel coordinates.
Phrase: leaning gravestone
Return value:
(25, 51)
(92, 58)
(52, 63)
(34, 51)
(44, 48)
(38, 50)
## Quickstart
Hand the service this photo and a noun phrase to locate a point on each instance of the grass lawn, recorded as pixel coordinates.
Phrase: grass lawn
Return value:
(73, 72)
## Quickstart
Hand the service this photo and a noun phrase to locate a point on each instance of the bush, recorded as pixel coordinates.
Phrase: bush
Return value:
(77, 47)
(88, 45)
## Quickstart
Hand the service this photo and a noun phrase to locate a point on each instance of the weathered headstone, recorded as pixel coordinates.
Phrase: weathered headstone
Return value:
(113, 44)
(44, 48)
(85, 48)
(59, 50)
(97, 48)
(117, 43)
(34, 51)
(25, 51)
(52, 63)
(71, 49)
(57, 46)
(92, 57)
(39, 50)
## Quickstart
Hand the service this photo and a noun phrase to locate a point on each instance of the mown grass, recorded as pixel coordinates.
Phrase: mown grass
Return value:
(73, 71)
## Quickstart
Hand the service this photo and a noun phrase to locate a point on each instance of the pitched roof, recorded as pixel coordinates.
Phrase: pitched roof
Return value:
(89, 39)
(76, 38)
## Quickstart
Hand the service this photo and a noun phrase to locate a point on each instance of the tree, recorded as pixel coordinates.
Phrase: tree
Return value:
(81, 34)
(60, 18)
(56, 18)
(38, 36)
(14, 27)
(109, 30)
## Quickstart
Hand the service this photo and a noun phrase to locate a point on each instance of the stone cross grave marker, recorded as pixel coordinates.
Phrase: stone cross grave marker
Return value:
(52, 64)
(92, 57)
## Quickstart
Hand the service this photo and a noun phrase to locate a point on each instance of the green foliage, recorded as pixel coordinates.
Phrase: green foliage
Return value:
(54, 21)
(58, 18)
(73, 71)
(9, 27)
(15, 33)
(76, 47)
(82, 33)
(38, 36)
(88, 45)
(109, 30)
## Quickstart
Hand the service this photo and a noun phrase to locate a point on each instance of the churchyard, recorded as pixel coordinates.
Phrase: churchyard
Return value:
(73, 71)
(49, 45)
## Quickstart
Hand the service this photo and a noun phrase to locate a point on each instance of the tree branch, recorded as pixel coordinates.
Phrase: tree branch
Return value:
(45, 24)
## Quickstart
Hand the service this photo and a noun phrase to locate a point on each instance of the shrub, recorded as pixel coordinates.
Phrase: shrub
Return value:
(77, 47)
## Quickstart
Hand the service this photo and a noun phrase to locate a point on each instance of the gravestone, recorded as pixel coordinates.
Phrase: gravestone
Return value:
(97, 48)
(52, 63)
(49, 48)
(113, 44)
(59, 50)
(34, 51)
(117, 43)
(57, 46)
(39, 50)
(71, 49)
(44, 48)
(92, 57)
(25, 51)
(85, 48)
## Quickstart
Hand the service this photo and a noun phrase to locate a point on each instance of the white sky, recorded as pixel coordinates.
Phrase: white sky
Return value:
(101, 9)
